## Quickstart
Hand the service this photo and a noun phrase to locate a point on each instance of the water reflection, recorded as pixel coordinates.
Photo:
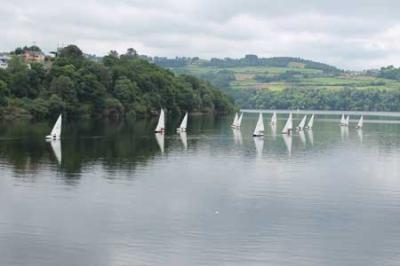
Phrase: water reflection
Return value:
(183, 137)
(259, 143)
(56, 147)
(344, 133)
(113, 201)
(310, 135)
(237, 136)
(160, 141)
(288, 142)
(273, 131)
(360, 135)
(302, 137)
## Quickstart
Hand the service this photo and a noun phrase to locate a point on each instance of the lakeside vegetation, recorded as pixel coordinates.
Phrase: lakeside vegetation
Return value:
(292, 83)
(119, 85)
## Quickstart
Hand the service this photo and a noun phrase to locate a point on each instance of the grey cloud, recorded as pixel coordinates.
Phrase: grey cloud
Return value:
(351, 34)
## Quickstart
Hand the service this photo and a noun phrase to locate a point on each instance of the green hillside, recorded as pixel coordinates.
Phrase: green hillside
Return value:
(262, 85)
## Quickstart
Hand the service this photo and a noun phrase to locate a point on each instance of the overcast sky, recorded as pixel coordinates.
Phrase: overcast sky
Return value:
(352, 34)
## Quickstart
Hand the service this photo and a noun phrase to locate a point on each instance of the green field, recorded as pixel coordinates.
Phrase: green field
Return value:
(244, 78)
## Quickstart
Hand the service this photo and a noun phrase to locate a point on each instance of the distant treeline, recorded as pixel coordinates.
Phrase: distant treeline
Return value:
(119, 85)
(389, 72)
(248, 60)
(319, 99)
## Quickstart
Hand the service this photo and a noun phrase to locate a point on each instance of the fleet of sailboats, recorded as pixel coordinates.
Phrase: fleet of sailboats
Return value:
(55, 134)
(237, 121)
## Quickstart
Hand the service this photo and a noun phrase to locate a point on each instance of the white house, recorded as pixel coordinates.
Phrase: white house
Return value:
(4, 59)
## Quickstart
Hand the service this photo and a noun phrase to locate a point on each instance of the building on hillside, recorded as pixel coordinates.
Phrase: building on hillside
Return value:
(4, 59)
(34, 56)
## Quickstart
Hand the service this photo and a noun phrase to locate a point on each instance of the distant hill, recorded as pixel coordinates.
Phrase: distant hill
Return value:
(248, 60)
(292, 83)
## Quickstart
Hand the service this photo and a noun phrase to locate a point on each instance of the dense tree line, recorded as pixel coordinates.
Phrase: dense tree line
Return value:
(119, 85)
(248, 60)
(320, 99)
(389, 72)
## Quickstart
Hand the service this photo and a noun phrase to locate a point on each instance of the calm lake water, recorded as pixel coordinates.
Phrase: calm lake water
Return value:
(214, 197)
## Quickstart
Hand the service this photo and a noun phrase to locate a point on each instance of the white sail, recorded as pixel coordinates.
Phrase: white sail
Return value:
(273, 119)
(343, 121)
(161, 122)
(360, 122)
(311, 122)
(235, 120)
(183, 126)
(289, 125)
(347, 123)
(239, 121)
(56, 131)
(302, 124)
(259, 130)
(160, 141)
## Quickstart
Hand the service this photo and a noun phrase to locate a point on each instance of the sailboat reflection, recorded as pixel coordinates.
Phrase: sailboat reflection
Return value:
(183, 137)
(302, 137)
(237, 136)
(259, 143)
(56, 147)
(360, 135)
(273, 131)
(344, 133)
(288, 142)
(160, 141)
(310, 135)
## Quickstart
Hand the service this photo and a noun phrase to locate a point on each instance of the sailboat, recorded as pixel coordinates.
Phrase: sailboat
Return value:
(360, 123)
(289, 125)
(235, 121)
(310, 122)
(182, 127)
(161, 123)
(259, 130)
(302, 124)
(56, 131)
(239, 121)
(274, 119)
(347, 123)
(343, 121)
